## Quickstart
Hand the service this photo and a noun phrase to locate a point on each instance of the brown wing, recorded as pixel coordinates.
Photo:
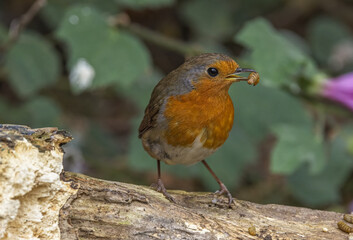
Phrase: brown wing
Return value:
(152, 109)
(175, 83)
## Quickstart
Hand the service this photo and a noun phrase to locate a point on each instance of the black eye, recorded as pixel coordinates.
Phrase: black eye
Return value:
(212, 72)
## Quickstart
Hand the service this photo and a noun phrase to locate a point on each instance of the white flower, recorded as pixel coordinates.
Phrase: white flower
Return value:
(81, 75)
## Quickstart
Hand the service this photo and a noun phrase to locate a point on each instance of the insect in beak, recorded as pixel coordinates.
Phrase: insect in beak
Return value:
(252, 79)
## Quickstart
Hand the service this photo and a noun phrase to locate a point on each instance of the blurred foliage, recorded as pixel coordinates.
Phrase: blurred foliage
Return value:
(31, 112)
(32, 64)
(86, 66)
(323, 187)
(324, 35)
(295, 146)
(279, 61)
(116, 56)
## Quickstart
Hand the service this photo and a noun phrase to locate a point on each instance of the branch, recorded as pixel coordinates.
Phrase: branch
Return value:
(17, 25)
(103, 209)
(123, 20)
(98, 209)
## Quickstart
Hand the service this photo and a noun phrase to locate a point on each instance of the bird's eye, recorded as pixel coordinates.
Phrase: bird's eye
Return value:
(212, 72)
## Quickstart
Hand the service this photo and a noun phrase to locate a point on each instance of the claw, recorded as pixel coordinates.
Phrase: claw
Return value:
(159, 186)
(225, 191)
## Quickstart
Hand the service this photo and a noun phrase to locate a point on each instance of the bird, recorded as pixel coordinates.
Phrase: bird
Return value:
(190, 113)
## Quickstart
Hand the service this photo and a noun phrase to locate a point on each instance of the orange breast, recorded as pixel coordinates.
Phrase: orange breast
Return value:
(208, 111)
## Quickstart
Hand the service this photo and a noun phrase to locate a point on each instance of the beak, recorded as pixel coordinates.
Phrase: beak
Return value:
(235, 78)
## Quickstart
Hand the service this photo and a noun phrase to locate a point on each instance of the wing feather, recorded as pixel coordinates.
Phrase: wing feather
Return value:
(175, 83)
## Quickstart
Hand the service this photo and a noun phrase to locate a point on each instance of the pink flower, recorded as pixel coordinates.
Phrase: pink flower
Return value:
(340, 89)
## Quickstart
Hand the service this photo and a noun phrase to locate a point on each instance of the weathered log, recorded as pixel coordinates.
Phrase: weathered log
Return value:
(99, 209)
(114, 210)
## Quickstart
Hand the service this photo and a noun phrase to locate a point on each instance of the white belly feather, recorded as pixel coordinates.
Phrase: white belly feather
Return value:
(186, 155)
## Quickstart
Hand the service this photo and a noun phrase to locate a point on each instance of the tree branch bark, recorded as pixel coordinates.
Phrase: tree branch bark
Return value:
(114, 210)
(99, 209)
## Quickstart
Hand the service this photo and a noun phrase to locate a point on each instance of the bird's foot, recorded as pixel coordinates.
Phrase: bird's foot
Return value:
(159, 186)
(224, 191)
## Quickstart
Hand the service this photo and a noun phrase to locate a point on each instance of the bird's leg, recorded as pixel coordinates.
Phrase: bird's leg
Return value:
(160, 186)
(223, 189)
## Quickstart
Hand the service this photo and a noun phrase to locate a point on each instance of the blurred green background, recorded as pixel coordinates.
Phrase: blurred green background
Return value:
(89, 67)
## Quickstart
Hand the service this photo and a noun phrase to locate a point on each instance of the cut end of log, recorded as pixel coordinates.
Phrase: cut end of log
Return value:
(31, 193)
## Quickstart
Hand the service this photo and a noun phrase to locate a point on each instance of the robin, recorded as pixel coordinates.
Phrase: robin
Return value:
(190, 113)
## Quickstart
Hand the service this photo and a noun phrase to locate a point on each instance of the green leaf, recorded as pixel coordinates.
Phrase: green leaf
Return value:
(54, 10)
(278, 61)
(130, 60)
(32, 64)
(323, 188)
(115, 57)
(210, 18)
(259, 108)
(139, 4)
(295, 146)
(296, 40)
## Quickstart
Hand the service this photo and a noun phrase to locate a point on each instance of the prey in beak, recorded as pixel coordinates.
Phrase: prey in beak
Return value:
(252, 79)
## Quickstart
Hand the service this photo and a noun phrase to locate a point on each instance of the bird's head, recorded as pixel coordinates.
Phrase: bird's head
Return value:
(214, 70)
